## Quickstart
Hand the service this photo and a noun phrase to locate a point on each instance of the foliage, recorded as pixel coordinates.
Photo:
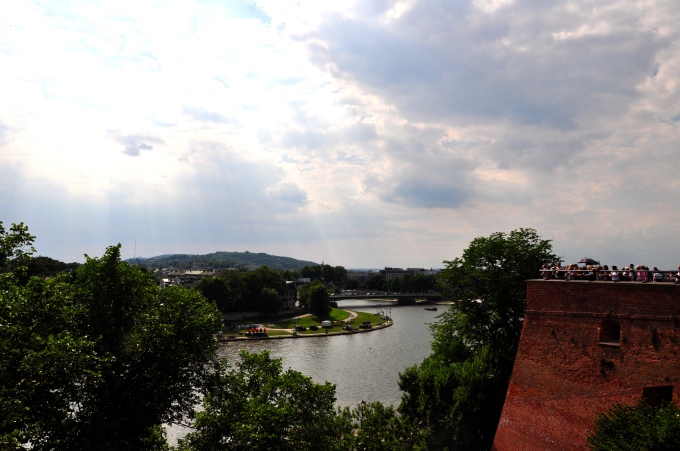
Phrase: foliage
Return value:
(376, 282)
(266, 290)
(412, 283)
(100, 358)
(636, 427)
(330, 275)
(315, 297)
(381, 428)
(260, 290)
(228, 290)
(48, 267)
(352, 284)
(459, 390)
(258, 406)
(216, 290)
(16, 247)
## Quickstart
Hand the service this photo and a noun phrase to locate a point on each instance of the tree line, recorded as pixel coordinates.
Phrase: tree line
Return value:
(100, 358)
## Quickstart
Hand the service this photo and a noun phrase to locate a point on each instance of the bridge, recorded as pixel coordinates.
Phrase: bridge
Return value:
(431, 297)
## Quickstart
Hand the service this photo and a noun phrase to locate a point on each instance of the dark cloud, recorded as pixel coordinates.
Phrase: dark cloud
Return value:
(320, 139)
(425, 175)
(533, 149)
(447, 59)
(135, 144)
(421, 192)
(288, 193)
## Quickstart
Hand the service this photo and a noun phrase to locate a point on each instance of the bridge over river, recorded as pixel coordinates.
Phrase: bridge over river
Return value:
(427, 297)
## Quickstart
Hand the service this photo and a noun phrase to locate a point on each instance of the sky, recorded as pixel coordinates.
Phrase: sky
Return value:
(363, 133)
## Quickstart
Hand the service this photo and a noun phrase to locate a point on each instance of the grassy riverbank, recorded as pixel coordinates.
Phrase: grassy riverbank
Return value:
(285, 327)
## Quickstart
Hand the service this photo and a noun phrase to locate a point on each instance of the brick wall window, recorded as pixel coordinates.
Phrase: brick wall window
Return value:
(656, 395)
(610, 332)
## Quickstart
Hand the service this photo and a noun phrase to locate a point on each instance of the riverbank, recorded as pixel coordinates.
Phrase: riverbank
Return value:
(339, 322)
(315, 334)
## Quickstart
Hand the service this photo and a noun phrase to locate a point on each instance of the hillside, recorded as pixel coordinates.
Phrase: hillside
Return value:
(219, 260)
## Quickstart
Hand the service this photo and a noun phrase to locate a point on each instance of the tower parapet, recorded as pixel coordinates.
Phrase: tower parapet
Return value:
(584, 347)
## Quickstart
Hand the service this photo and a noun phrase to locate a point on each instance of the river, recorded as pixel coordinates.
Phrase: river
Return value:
(363, 366)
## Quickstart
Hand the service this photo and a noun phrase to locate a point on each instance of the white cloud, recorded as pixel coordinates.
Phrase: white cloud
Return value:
(362, 133)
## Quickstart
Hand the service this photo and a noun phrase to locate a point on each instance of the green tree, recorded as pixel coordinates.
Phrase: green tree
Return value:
(216, 290)
(315, 297)
(259, 299)
(312, 272)
(330, 275)
(227, 290)
(352, 284)
(48, 267)
(258, 406)
(238, 293)
(16, 247)
(290, 274)
(376, 282)
(459, 390)
(635, 427)
(100, 358)
(319, 301)
(380, 427)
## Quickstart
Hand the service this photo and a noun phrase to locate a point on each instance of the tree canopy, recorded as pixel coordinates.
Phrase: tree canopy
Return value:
(330, 275)
(315, 297)
(16, 246)
(99, 358)
(459, 390)
(255, 405)
(637, 426)
(260, 290)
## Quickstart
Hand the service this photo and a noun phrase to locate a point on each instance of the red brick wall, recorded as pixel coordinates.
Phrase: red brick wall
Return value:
(563, 376)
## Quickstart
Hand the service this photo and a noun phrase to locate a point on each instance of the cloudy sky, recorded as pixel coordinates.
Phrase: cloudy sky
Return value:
(363, 133)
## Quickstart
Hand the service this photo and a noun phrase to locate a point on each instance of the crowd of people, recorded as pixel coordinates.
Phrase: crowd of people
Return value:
(630, 273)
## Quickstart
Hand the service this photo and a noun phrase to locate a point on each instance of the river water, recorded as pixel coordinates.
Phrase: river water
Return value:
(363, 366)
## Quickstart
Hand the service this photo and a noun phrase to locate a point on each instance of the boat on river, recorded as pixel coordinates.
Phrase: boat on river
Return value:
(432, 309)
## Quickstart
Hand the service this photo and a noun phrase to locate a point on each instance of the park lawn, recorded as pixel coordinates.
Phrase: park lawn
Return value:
(335, 315)
(306, 321)
(363, 316)
(273, 332)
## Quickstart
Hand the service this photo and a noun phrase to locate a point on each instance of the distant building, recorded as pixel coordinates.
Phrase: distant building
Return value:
(387, 274)
(188, 278)
(291, 294)
(584, 347)
(360, 276)
(392, 273)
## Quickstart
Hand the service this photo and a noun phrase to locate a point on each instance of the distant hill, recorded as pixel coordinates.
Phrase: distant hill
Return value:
(220, 260)
(48, 267)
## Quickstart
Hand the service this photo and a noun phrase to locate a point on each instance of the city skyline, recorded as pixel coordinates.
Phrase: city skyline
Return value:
(360, 133)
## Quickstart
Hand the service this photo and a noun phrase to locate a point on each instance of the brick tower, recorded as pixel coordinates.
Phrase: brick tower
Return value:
(585, 346)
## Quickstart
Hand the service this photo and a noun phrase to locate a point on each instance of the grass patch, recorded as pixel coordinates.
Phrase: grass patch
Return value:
(335, 315)
(363, 317)
(278, 332)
